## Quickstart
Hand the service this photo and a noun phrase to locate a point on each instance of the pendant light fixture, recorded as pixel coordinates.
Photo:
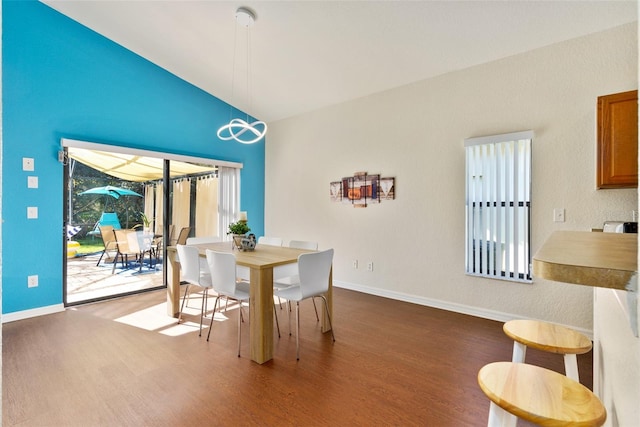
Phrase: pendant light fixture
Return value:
(238, 129)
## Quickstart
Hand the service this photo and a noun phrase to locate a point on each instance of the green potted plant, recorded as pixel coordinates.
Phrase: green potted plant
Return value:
(145, 220)
(238, 230)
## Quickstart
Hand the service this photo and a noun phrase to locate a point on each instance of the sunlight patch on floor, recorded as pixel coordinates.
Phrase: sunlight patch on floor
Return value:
(152, 318)
(155, 319)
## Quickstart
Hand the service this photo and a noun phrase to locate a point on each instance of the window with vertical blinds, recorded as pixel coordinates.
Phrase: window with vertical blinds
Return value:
(498, 206)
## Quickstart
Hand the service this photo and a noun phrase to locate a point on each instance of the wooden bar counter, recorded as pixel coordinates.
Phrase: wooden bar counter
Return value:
(606, 260)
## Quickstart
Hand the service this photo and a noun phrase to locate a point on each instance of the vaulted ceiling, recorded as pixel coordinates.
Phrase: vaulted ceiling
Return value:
(307, 55)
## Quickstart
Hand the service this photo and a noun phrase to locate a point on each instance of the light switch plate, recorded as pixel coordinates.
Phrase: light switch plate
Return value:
(32, 212)
(558, 215)
(32, 182)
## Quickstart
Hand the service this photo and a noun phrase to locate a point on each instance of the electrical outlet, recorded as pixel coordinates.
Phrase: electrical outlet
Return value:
(32, 281)
(370, 266)
(558, 215)
(355, 264)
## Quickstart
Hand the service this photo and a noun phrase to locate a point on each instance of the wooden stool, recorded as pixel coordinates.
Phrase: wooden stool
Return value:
(547, 337)
(538, 395)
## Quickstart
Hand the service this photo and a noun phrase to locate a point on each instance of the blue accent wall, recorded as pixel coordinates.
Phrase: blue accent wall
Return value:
(61, 79)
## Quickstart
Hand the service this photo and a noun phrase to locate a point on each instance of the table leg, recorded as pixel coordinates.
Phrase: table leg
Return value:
(173, 284)
(329, 295)
(261, 315)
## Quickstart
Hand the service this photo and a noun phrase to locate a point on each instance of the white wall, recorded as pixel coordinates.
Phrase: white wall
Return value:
(415, 133)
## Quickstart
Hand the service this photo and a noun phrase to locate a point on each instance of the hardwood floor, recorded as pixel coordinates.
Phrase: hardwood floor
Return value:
(393, 363)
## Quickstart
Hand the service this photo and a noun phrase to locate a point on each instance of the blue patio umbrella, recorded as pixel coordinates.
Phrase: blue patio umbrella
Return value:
(115, 192)
(110, 190)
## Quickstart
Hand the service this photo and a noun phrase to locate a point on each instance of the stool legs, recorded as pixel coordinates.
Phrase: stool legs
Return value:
(571, 366)
(570, 360)
(498, 417)
(519, 352)
(507, 419)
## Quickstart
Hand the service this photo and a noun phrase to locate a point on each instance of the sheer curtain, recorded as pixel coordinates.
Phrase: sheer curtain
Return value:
(159, 220)
(181, 207)
(207, 206)
(228, 197)
(149, 196)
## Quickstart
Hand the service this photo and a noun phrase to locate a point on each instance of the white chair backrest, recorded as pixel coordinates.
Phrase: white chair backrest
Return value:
(314, 269)
(124, 242)
(302, 244)
(223, 271)
(189, 264)
(145, 240)
(272, 241)
(203, 240)
(106, 232)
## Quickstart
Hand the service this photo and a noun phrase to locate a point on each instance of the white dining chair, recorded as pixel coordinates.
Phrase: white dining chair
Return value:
(314, 269)
(191, 271)
(203, 240)
(287, 275)
(222, 267)
(272, 241)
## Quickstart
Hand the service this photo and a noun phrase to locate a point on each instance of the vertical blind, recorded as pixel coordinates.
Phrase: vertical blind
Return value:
(228, 197)
(498, 206)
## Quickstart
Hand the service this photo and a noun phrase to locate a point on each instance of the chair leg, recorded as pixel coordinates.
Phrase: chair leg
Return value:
(313, 300)
(289, 316)
(275, 314)
(213, 317)
(115, 262)
(100, 259)
(297, 330)
(239, 327)
(186, 293)
(204, 304)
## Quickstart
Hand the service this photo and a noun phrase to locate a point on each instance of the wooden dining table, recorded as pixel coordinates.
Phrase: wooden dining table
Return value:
(261, 263)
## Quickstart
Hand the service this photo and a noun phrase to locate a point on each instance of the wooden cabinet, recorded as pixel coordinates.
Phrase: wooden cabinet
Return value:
(618, 140)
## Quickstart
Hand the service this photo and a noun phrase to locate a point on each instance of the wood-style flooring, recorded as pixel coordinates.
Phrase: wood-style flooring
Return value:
(393, 364)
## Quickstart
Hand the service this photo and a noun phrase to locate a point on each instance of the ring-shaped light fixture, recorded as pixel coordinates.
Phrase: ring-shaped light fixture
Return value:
(237, 127)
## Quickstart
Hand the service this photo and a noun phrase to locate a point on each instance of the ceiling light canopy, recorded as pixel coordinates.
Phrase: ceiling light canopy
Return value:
(238, 129)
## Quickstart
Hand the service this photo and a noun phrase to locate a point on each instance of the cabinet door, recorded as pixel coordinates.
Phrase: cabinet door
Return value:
(618, 140)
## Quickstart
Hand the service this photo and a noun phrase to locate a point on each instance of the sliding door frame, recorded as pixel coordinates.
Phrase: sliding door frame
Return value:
(167, 157)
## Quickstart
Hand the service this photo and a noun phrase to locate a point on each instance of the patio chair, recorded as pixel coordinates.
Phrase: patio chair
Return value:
(107, 218)
(128, 245)
(182, 237)
(108, 240)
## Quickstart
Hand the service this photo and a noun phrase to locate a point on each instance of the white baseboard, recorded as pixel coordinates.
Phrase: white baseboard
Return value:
(35, 312)
(443, 305)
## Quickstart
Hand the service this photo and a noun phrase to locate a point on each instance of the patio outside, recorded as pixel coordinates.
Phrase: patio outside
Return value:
(88, 281)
